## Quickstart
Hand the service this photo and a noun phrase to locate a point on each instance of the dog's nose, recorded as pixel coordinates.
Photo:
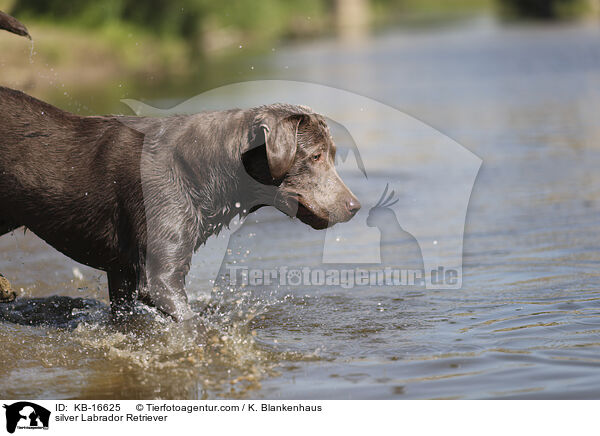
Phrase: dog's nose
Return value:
(353, 206)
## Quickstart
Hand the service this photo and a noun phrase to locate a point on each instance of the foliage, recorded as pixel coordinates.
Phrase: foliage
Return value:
(544, 9)
(181, 18)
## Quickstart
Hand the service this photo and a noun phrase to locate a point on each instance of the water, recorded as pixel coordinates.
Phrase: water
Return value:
(524, 325)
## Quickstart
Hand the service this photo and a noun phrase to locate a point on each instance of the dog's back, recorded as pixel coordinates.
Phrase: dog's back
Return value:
(52, 163)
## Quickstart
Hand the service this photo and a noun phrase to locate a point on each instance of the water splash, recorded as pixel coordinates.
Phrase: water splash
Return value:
(214, 355)
(31, 50)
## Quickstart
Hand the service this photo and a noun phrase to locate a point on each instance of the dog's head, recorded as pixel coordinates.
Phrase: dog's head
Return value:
(293, 150)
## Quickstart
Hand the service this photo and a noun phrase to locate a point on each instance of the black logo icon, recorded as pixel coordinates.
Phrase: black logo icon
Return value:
(26, 415)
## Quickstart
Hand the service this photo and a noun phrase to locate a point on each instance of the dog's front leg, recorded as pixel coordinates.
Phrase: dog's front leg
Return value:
(166, 282)
(122, 291)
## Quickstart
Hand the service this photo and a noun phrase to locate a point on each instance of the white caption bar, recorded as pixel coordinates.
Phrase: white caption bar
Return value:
(24, 417)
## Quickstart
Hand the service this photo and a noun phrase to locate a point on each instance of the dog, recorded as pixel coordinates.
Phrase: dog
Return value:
(136, 196)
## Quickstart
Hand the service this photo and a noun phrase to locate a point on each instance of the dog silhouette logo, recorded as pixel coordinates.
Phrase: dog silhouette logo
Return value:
(423, 231)
(397, 246)
(26, 415)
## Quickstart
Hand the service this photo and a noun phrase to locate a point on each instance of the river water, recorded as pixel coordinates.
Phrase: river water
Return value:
(524, 324)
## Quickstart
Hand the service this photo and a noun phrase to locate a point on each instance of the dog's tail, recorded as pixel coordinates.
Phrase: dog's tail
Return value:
(13, 25)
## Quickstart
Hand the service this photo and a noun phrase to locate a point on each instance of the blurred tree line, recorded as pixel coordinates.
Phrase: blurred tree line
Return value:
(207, 23)
(188, 19)
(548, 9)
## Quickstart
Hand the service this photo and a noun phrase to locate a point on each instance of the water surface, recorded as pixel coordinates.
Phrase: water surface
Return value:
(525, 324)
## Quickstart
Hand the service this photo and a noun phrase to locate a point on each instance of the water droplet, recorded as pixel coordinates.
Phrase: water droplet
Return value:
(31, 52)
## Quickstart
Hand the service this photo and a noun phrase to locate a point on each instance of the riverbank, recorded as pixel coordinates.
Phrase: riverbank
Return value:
(61, 57)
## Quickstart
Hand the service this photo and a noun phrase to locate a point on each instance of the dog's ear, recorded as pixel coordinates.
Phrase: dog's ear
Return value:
(281, 140)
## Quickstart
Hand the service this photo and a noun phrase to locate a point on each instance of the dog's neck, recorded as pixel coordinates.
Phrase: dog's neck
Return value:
(219, 186)
(213, 176)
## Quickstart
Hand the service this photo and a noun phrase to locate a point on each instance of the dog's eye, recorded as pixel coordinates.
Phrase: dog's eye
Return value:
(316, 157)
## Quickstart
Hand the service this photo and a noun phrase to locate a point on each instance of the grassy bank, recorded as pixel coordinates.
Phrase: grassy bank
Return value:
(86, 45)
(72, 55)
